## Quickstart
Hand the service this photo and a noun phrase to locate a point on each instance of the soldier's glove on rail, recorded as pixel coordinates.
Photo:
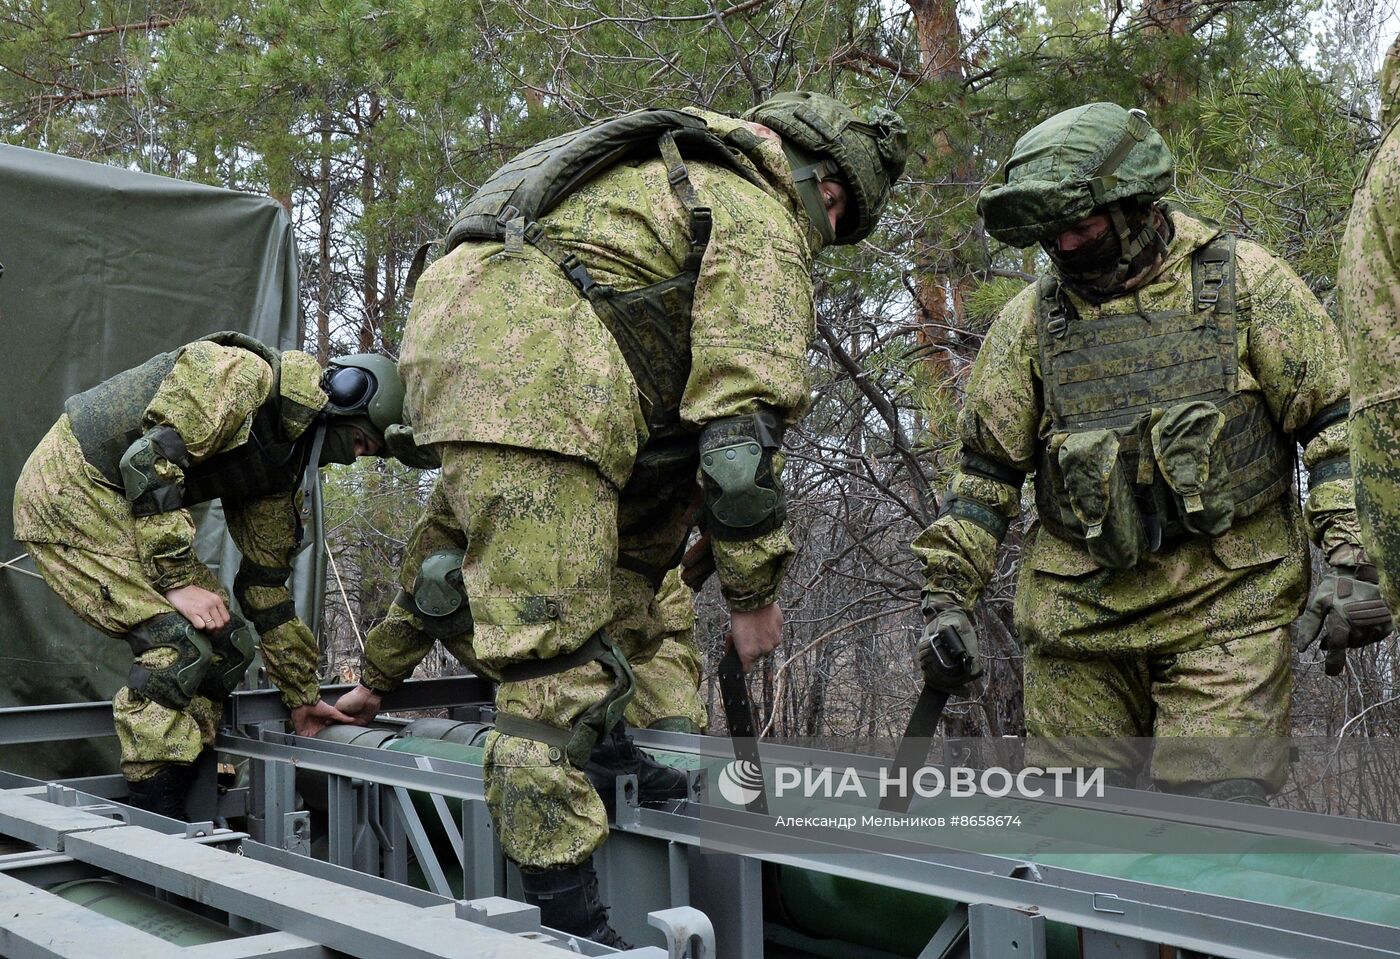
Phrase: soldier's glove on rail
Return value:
(399, 441)
(948, 653)
(1346, 611)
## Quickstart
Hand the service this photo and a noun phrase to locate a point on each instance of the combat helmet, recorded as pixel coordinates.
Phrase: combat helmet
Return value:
(365, 388)
(1092, 157)
(825, 139)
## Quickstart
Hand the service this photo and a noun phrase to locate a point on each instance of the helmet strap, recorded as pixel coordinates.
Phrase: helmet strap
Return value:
(807, 175)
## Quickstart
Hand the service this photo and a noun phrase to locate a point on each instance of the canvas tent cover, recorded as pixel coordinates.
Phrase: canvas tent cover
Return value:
(103, 268)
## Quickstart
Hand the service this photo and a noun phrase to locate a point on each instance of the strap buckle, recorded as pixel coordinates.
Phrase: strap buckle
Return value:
(578, 274)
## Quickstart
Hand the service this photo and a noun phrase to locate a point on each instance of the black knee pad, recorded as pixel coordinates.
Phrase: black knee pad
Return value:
(233, 651)
(174, 685)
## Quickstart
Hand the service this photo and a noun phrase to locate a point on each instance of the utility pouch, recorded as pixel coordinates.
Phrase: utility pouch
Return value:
(1101, 496)
(1191, 462)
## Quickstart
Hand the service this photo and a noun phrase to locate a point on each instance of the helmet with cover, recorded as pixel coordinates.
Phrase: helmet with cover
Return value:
(825, 139)
(364, 391)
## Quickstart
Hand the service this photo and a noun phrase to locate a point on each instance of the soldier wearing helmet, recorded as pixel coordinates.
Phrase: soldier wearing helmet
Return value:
(622, 311)
(1156, 381)
(103, 506)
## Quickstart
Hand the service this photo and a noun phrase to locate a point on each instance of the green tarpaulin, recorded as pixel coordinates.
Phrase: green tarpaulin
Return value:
(103, 268)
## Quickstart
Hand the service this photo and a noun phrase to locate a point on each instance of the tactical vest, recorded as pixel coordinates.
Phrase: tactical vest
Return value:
(652, 324)
(1138, 442)
(108, 418)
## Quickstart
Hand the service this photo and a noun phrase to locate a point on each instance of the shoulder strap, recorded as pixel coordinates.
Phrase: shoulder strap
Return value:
(1213, 275)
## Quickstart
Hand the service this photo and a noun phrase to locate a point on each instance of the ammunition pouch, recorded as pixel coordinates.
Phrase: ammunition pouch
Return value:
(233, 649)
(1191, 462)
(438, 598)
(575, 743)
(743, 498)
(1101, 496)
(175, 684)
(146, 491)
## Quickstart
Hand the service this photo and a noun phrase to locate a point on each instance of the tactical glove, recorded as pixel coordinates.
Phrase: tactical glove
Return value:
(399, 441)
(948, 653)
(1346, 612)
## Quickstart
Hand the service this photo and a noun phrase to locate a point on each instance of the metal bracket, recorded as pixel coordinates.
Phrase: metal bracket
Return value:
(507, 915)
(296, 828)
(628, 806)
(689, 932)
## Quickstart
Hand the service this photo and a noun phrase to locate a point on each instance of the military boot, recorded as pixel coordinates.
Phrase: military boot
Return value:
(569, 901)
(165, 792)
(617, 755)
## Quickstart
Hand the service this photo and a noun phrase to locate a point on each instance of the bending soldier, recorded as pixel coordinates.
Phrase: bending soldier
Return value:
(102, 506)
(1156, 382)
(621, 309)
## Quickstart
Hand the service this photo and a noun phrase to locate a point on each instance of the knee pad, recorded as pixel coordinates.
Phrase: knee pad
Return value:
(175, 684)
(438, 598)
(232, 649)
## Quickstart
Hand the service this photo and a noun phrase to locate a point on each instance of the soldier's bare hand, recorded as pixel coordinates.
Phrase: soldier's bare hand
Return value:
(361, 704)
(205, 609)
(756, 633)
(310, 720)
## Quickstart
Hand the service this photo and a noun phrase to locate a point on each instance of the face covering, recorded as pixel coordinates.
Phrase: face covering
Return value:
(339, 445)
(1095, 272)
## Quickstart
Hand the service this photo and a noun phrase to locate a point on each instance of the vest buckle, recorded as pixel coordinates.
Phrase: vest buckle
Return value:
(1057, 324)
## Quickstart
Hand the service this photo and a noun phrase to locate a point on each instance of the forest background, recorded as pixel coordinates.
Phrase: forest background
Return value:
(372, 122)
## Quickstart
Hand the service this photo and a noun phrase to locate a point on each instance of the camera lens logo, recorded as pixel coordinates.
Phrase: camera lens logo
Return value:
(740, 782)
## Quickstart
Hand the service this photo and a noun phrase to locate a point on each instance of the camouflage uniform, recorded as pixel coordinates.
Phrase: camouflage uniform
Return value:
(667, 686)
(1192, 640)
(1370, 299)
(525, 393)
(112, 567)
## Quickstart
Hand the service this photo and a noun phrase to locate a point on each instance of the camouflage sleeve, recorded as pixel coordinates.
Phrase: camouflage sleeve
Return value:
(998, 426)
(1370, 296)
(753, 319)
(208, 397)
(266, 533)
(1295, 353)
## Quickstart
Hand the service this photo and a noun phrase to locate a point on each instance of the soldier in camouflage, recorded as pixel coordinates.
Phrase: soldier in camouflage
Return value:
(432, 607)
(102, 506)
(621, 309)
(1156, 382)
(1370, 298)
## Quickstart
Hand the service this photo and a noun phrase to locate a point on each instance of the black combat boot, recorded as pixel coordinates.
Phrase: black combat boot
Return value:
(568, 900)
(165, 792)
(617, 755)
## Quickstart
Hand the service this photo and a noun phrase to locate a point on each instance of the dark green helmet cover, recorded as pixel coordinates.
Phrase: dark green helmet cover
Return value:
(383, 407)
(1071, 165)
(825, 139)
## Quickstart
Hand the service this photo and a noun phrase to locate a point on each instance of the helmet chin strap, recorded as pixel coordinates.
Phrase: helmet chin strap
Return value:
(311, 481)
(807, 175)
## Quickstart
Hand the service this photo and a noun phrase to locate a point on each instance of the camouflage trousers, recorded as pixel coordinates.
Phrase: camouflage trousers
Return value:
(1375, 462)
(543, 536)
(1211, 714)
(114, 594)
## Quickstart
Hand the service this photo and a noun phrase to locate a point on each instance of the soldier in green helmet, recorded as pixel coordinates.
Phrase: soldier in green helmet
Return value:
(102, 506)
(1156, 382)
(1370, 299)
(621, 312)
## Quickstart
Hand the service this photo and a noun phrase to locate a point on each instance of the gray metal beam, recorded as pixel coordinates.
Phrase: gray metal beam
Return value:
(44, 824)
(260, 852)
(271, 945)
(355, 922)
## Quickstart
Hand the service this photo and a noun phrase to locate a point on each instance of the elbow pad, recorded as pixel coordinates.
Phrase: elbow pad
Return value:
(743, 498)
(251, 574)
(146, 491)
